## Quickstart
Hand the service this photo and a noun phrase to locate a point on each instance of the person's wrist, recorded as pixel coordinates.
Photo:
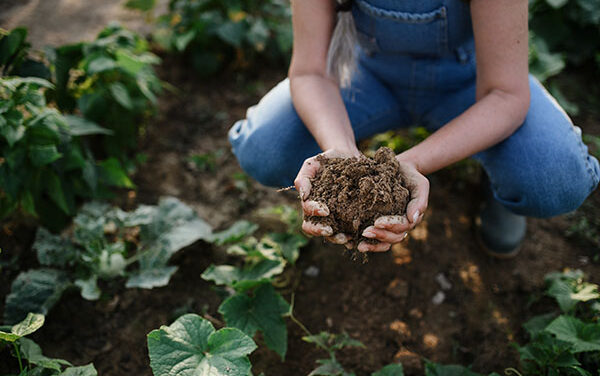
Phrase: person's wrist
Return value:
(408, 160)
(349, 149)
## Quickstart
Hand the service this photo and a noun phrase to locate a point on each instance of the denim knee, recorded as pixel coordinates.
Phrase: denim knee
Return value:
(544, 191)
(258, 157)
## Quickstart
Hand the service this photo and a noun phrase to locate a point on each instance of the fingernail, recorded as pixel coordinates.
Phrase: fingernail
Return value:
(327, 231)
(368, 234)
(404, 235)
(302, 194)
(415, 216)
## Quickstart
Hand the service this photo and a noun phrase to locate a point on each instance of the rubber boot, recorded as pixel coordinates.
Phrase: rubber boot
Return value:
(500, 231)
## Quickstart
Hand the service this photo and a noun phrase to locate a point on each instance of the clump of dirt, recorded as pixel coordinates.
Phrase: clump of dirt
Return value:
(359, 190)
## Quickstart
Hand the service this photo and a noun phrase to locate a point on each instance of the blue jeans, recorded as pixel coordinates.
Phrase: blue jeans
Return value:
(415, 70)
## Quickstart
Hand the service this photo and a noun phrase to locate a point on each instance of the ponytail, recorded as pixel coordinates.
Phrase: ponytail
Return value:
(341, 57)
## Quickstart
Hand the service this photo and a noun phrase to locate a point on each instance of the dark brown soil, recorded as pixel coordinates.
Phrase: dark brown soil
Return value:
(357, 191)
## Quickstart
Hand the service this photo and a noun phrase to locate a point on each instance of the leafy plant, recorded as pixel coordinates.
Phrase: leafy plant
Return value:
(44, 166)
(215, 34)
(104, 244)
(26, 349)
(191, 347)
(14, 56)
(111, 81)
(565, 344)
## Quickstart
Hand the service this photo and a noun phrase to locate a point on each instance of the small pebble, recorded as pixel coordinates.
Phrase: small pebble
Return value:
(444, 283)
(312, 271)
(438, 298)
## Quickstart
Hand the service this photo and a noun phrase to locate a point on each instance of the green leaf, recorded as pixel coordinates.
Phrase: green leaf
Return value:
(55, 190)
(143, 5)
(434, 369)
(121, 95)
(243, 279)
(289, 244)
(235, 233)
(34, 291)
(537, 324)
(333, 342)
(11, 134)
(151, 278)
(263, 311)
(390, 370)
(232, 32)
(33, 353)
(43, 155)
(181, 41)
(100, 64)
(113, 173)
(569, 288)
(88, 370)
(79, 126)
(191, 347)
(583, 336)
(30, 324)
(557, 3)
(89, 288)
(15, 82)
(8, 337)
(328, 367)
(53, 250)
(11, 43)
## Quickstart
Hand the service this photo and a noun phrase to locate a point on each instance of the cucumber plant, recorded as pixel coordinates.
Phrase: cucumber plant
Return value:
(29, 355)
(105, 243)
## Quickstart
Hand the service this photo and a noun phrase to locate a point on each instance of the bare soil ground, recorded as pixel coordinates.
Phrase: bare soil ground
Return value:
(386, 303)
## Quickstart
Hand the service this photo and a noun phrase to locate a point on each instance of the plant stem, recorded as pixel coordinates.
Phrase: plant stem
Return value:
(18, 357)
(295, 320)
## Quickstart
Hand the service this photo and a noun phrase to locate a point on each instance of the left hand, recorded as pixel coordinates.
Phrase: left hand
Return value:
(393, 229)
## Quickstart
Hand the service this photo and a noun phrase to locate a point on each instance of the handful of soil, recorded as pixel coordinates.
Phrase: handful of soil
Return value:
(357, 191)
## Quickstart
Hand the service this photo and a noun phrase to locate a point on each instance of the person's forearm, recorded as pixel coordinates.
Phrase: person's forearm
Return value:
(319, 104)
(490, 120)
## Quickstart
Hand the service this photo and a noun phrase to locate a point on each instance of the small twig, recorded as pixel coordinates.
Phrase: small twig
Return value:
(214, 320)
(285, 189)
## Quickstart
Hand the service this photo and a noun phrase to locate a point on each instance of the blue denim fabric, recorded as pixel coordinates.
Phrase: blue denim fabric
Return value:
(417, 67)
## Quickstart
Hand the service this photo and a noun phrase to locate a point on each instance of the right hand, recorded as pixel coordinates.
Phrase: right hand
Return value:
(313, 208)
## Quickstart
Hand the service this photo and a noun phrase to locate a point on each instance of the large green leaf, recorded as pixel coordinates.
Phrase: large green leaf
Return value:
(243, 278)
(79, 126)
(41, 155)
(191, 347)
(262, 311)
(151, 278)
(34, 291)
(288, 244)
(30, 324)
(121, 95)
(235, 233)
(113, 173)
(11, 43)
(33, 353)
(435, 369)
(88, 370)
(54, 250)
(582, 336)
(390, 370)
(568, 289)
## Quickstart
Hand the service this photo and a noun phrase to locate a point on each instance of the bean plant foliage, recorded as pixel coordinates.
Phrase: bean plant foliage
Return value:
(37, 364)
(44, 165)
(105, 243)
(214, 33)
(110, 81)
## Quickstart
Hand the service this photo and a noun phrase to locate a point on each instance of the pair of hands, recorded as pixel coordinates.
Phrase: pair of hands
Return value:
(387, 230)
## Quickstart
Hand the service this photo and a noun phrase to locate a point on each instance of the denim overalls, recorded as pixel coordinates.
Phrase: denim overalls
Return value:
(417, 67)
